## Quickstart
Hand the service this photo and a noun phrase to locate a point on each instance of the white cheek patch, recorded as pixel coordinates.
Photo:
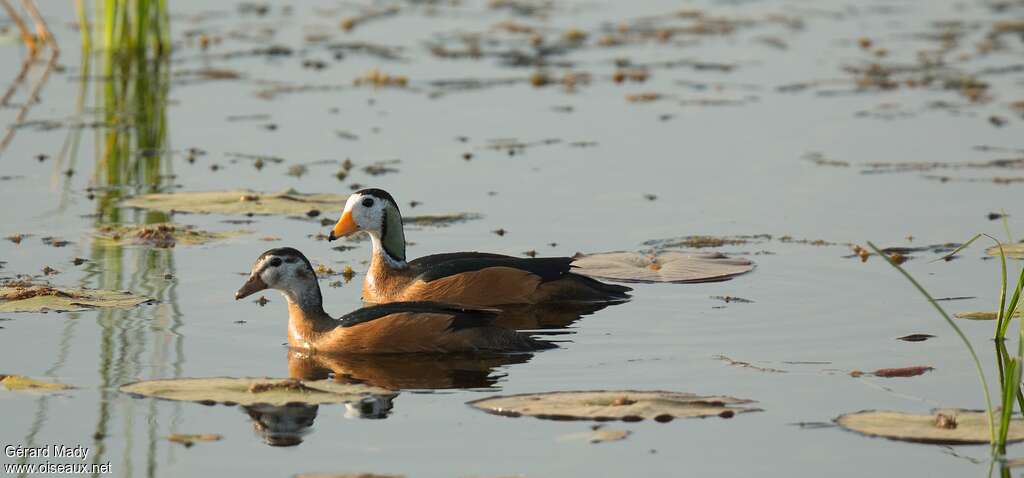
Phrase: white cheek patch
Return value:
(368, 218)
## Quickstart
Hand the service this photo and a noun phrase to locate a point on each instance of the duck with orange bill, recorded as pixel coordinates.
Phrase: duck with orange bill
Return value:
(472, 278)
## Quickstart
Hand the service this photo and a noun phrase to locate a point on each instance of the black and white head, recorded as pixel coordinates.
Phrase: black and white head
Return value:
(284, 269)
(374, 211)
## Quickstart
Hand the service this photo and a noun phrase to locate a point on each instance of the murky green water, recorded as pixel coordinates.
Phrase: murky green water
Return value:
(716, 169)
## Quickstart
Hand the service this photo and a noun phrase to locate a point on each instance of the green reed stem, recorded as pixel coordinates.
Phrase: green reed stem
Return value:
(960, 333)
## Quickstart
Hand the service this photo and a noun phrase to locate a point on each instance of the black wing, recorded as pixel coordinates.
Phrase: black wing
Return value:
(462, 317)
(438, 266)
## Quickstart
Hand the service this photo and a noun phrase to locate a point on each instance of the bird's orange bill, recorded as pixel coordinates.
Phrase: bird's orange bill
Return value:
(344, 226)
(252, 286)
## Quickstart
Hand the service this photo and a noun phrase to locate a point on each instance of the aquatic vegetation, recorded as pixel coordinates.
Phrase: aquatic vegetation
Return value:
(289, 202)
(237, 202)
(947, 427)
(676, 267)
(252, 391)
(603, 405)
(162, 235)
(32, 297)
(1010, 366)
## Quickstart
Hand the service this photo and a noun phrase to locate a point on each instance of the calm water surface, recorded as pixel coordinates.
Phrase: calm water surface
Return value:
(716, 169)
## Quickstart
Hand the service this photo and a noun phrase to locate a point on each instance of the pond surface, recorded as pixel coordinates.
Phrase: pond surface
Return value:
(755, 118)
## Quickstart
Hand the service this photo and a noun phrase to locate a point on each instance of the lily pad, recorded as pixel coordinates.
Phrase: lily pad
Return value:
(946, 426)
(1014, 251)
(675, 267)
(238, 202)
(30, 297)
(163, 235)
(981, 315)
(605, 405)
(252, 391)
(21, 383)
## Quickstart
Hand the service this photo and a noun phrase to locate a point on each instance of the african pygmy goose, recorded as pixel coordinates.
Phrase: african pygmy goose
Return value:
(472, 278)
(401, 327)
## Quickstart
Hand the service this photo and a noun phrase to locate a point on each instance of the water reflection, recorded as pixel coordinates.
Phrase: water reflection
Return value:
(547, 316)
(287, 425)
(282, 425)
(403, 372)
(129, 105)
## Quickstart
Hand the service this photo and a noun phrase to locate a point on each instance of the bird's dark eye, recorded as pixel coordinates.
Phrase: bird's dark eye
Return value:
(275, 262)
(368, 202)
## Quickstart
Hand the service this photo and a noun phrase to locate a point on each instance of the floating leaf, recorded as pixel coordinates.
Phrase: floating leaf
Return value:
(1013, 251)
(29, 297)
(676, 267)
(159, 235)
(948, 426)
(189, 440)
(252, 391)
(626, 405)
(22, 383)
(980, 315)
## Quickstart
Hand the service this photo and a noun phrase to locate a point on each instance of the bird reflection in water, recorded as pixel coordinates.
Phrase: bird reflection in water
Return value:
(287, 425)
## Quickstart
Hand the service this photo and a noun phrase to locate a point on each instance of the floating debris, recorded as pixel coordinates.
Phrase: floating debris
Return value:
(440, 220)
(377, 78)
(895, 372)
(297, 170)
(730, 299)
(164, 235)
(820, 160)
(741, 364)
(350, 23)
(701, 242)
(915, 337)
(379, 168)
